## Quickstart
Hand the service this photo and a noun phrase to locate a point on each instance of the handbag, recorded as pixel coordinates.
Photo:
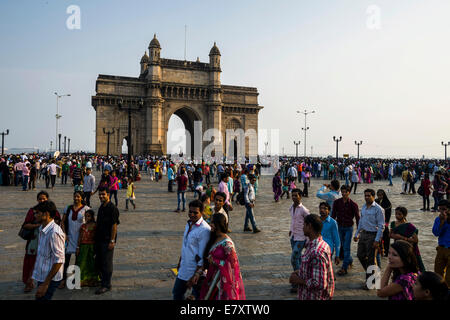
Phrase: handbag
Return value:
(420, 191)
(26, 234)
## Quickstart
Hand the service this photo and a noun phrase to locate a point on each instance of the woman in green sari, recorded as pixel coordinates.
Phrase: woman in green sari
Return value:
(85, 251)
(401, 229)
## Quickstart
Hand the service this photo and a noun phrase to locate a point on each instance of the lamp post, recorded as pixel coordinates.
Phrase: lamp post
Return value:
(5, 133)
(358, 144)
(445, 146)
(68, 147)
(305, 113)
(108, 133)
(120, 103)
(296, 148)
(58, 116)
(266, 144)
(65, 143)
(59, 142)
(51, 144)
(337, 146)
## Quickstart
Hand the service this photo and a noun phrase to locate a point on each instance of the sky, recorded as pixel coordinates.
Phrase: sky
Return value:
(373, 71)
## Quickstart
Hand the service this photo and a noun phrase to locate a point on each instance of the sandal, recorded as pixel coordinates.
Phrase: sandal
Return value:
(342, 272)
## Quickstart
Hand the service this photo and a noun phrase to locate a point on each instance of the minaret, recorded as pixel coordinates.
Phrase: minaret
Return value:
(154, 114)
(215, 93)
(154, 69)
(144, 63)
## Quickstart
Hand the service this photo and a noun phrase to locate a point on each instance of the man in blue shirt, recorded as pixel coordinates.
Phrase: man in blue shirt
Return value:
(171, 178)
(441, 229)
(331, 195)
(370, 230)
(330, 233)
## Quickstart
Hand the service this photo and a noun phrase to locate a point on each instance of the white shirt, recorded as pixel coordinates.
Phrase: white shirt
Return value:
(74, 229)
(194, 244)
(50, 251)
(52, 169)
(89, 164)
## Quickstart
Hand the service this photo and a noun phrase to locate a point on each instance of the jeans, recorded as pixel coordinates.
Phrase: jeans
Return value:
(64, 177)
(50, 291)
(351, 187)
(437, 197)
(426, 202)
(53, 179)
(390, 179)
(18, 178)
(181, 196)
(132, 202)
(180, 288)
(346, 179)
(87, 197)
(170, 186)
(249, 216)
(111, 193)
(366, 252)
(345, 235)
(25, 183)
(296, 257)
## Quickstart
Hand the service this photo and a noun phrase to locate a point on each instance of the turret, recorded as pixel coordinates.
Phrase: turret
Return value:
(154, 66)
(144, 62)
(214, 66)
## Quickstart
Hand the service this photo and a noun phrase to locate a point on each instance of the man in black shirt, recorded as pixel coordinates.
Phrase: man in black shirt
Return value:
(105, 239)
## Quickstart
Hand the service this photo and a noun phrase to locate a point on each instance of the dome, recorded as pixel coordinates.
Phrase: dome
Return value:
(214, 50)
(154, 43)
(145, 58)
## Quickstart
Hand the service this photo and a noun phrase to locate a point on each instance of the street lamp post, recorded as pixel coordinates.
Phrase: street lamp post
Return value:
(296, 148)
(59, 142)
(305, 128)
(58, 116)
(108, 133)
(129, 144)
(65, 144)
(51, 144)
(68, 147)
(445, 146)
(5, 133)
(358, 144)
(266, 144)
(337, 146)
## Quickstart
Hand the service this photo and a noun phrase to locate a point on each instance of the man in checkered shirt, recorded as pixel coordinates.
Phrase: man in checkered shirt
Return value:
(315, 278)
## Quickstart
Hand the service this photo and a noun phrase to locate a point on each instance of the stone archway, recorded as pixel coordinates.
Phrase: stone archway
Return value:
(188, 116)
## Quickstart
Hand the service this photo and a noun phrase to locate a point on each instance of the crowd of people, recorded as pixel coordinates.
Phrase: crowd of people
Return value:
(208, 265)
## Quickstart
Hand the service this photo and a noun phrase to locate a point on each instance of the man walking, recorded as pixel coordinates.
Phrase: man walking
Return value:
(297, 237)
(249, 196)
(195, 238)
(370, 230)
(441, 229)
(345, 210)
(105, 239)
(330, 233)
(170, 177)
(52, 171)
(88, 186)
(315, 278)
(48, 270)
(182, 182)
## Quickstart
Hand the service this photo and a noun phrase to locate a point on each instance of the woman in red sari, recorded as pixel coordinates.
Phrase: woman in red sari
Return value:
(223, 278)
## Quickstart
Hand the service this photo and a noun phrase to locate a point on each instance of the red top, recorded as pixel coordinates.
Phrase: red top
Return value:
(426, 184)
(182, 182)
(87, 236)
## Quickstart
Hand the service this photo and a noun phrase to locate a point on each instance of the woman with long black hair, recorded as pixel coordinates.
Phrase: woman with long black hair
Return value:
(384, 202)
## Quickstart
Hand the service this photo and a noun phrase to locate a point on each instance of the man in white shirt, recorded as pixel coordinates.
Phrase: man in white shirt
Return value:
(48, 270)
(88, 186)
(52, 171)
(249, 196)
(195, 238)
(292, 173)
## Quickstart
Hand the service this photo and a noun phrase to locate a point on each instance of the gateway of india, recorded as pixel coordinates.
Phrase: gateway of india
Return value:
(192, 90)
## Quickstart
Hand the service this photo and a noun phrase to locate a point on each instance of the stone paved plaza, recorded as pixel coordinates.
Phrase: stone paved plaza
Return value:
(149, 242)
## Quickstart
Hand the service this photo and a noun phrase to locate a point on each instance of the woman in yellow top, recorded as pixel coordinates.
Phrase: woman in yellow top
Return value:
(157, 167)
(130, 194)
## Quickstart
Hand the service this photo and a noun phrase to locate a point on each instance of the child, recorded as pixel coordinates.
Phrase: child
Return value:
(285, 188)
(210, 191)
(207, 211)
(292, 186)
(130, 194)
(85, 251)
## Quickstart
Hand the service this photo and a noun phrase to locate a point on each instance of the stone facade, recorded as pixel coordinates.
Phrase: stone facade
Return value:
(191, 90)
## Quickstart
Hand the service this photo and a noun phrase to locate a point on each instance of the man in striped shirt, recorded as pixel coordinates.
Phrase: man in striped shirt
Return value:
(48, 270)
(315, 278)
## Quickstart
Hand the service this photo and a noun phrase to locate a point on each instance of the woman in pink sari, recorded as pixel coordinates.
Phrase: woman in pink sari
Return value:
(223, 278)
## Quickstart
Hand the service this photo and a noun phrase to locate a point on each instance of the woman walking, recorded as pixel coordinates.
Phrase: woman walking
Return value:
(384, 202)
(223, 278)
(403, 268)
(276, 186)
(439, 187)
(401, 229)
